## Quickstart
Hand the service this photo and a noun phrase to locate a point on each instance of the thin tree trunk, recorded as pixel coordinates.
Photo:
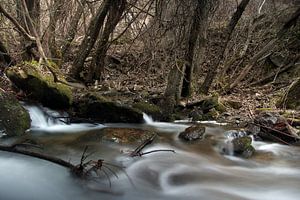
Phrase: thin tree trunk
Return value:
(89, 40)
(266, 49)
(228, 32)
(115, 13)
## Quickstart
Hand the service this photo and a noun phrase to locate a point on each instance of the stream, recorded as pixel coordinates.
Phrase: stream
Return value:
(196, 171)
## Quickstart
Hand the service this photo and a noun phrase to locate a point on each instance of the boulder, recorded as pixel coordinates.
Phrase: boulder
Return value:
(96, 107)
(14, 119)
(41, 87)
(126, 136)
(242, 146)
(192, 133)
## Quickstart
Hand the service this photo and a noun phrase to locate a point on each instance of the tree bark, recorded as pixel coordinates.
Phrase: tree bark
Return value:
(115, 13)
(228, 32)
(89, 40)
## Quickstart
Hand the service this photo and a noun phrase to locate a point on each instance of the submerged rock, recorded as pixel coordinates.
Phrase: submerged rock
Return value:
(40, 87)
(14, 119)
(192, 133)
(116, 135)
(96, 107)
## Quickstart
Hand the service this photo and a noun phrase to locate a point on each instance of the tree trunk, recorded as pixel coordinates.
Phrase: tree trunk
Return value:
(115, 13)
(89, 40)
(199, 25)
(228, 32)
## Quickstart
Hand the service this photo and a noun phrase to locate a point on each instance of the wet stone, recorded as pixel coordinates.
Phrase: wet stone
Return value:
(192, 133)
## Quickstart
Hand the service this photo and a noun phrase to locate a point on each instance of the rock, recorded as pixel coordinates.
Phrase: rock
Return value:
(100, 109)
(207, 109)
(291, 100)
(153, 110)
(127, 136)
(192, 133)
(14, 119)
(242, 146)
(40, 87)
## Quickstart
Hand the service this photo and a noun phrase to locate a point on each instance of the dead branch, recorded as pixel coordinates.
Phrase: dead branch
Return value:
(265, 50)
(275, 74)
(137, 151)
(15, 149)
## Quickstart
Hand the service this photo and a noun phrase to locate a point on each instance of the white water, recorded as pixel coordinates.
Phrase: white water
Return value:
(46, 120)
(195, 172)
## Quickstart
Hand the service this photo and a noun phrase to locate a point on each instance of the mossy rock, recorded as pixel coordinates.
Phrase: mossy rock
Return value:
(192, 133)
(150, 109)
(292, 99)
(126, 136)
(40, 87)
(242, 146)
(96, 107)
(14, 119)
(213, 102)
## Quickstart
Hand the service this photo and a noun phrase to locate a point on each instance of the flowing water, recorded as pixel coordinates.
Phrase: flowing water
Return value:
(196, 171)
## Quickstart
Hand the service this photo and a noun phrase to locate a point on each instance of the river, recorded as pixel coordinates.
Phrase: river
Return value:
(196, 171)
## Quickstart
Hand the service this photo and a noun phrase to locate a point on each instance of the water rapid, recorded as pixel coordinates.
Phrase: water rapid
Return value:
(196, 171)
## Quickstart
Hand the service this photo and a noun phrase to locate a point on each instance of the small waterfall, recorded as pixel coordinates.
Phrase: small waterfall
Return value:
(148, 119)
(47, 120)
(42, 117)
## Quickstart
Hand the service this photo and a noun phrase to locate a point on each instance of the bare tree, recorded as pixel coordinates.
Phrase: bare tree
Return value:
(90, 38)
(114, 15)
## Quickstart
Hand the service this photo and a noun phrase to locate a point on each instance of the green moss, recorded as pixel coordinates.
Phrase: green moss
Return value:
(28, 77)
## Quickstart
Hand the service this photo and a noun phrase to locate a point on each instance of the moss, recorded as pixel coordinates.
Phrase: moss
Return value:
(28, 77)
